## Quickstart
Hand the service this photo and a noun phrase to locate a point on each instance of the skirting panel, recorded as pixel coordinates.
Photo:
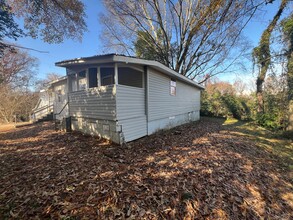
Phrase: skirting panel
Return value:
(172, 121)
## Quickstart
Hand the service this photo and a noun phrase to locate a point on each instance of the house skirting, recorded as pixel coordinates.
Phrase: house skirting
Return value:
(97, 127)
(172, 121)
(113, 131)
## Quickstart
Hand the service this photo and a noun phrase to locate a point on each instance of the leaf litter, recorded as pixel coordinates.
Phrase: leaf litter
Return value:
(201, 170)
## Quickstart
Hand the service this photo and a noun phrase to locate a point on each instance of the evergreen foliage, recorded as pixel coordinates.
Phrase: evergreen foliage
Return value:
(220, 99)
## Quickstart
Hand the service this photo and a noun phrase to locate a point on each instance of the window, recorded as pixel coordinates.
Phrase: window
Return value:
(130, 77)
(72, 79)
(173, 87)
(82, 80)
(93, 80)
(59, 95)
(107, 76)
(81, 74)
(107, 80)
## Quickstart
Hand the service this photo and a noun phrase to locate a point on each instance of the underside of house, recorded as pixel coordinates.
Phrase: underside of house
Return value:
(123, 98)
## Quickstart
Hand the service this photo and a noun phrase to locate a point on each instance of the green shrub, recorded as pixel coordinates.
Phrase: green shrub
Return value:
(225, 105)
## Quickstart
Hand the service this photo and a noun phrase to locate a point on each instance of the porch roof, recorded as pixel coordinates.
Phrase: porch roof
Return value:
(110, 58)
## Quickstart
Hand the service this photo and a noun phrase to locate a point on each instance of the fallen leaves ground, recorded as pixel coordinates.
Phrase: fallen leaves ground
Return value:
(203, 170)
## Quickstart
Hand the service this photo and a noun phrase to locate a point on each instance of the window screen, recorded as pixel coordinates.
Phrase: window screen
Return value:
(107, 76)
(93, 80)
(82, 80)
(129, 77)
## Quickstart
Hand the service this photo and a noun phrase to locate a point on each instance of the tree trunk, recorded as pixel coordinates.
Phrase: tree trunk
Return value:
(290, 122)
(263, 56)
(4, 117)
(290, 86)
(259, 94)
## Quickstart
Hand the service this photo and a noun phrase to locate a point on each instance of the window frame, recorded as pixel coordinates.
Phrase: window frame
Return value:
(82, 76)
(107, 75)
(59, 95)
(173, 86)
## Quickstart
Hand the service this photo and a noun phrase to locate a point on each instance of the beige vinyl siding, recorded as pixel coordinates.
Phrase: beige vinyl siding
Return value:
(130, 102)
(133, 128)
(44, 100)
(60, 104)
(131, 111)
(98, 103)
(162, 104)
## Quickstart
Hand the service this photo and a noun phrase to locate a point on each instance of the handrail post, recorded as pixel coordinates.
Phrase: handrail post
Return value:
(54, 115)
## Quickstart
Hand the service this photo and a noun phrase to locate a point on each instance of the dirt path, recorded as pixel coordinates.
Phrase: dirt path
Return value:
(12, 126)
(6, 127)
(203, 170)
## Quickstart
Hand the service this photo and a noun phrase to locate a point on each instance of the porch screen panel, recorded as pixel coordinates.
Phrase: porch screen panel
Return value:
(129, 77)
(107, 76)
(82, 80)
(93, 80)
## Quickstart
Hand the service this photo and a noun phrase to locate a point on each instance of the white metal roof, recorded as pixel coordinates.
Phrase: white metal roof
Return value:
(109, 58)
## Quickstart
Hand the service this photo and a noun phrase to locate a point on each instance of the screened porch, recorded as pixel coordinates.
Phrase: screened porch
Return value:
(109, 91)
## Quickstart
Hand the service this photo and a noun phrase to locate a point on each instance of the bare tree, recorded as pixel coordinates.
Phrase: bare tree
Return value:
(16, 77)
(239, 86)
(17, 69)
(52, 76)
(192, 37)
(17, 103)
(41, 84)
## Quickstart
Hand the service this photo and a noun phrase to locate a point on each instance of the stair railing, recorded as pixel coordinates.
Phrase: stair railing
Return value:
(43, 111)
(55, 118)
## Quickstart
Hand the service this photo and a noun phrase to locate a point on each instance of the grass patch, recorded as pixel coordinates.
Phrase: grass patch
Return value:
(276, 143)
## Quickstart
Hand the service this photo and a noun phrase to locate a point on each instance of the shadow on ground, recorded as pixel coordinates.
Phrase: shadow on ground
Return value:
(203, 170)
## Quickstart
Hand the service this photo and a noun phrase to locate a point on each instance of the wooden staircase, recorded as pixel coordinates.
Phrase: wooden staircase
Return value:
(48, 117)
(44, 113)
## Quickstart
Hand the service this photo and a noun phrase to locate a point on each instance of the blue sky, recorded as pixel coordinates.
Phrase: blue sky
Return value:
(91, 44)
(69, 49)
